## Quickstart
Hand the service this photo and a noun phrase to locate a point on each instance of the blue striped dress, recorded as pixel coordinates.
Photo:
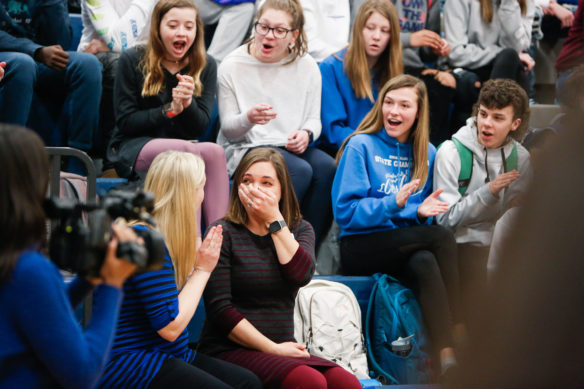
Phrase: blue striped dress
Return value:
(150, 303)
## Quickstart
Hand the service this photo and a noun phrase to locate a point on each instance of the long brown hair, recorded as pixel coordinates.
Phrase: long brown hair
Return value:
(289, 207)
(389, 63)
(25, 177)
(294, 9)
(175, 177)
(419, 134)
(151, 64)
(487, 9)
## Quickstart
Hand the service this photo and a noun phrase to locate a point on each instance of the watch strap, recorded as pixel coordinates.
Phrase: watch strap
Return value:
(167, 110)
(276, 226)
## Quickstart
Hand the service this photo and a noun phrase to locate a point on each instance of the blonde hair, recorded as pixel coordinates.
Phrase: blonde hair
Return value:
(294, 9)
(175, 177)
(236, 212)
(419, 134)
(151, 64)
(487, 9)
(389, 63)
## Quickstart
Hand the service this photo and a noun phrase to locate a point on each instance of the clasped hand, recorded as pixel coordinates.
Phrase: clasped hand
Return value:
(182, 94)
(53, 56)
(298, 142)
(428, 38)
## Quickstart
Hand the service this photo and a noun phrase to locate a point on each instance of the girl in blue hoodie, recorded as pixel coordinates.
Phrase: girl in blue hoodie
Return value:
(383, 202)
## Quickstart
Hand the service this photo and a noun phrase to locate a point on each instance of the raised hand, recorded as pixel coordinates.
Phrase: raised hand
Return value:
(431, 206)
(502, 181)
(298, 142)
(261, 114)
(208, 253)
(401, 198)
(260, 202)
(52, 56)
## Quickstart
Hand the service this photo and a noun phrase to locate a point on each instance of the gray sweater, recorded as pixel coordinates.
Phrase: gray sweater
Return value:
(475, 43)
(472, 217)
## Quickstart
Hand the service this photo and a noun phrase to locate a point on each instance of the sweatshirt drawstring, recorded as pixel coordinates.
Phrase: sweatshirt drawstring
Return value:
(488, 179)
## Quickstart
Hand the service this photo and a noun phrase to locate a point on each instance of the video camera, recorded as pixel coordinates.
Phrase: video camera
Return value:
(79, 246)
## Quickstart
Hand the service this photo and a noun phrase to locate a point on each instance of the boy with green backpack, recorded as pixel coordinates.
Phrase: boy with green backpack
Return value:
(483, 172)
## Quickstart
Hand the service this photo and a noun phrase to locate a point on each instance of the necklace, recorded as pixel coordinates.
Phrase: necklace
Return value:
(172, 61)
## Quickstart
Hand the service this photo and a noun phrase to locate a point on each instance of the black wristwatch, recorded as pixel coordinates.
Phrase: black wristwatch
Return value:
(276, 226)
(310, 136)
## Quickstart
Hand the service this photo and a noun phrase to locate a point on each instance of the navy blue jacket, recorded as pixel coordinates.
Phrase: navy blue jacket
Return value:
(28, 25)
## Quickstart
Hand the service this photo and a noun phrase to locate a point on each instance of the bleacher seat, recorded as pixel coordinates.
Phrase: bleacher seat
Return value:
(77, 27)
(542, 115)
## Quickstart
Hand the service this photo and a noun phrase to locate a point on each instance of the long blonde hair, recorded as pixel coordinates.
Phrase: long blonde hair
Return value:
(487, 9)
(175, 177)
(419, 134)
(151, 64)
(389, 63)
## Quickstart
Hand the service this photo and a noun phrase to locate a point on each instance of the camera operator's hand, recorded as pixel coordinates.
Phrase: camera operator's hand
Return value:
(208, 253)
(115, 270)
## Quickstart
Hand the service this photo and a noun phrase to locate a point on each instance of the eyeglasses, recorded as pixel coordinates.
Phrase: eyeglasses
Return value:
(279, 32)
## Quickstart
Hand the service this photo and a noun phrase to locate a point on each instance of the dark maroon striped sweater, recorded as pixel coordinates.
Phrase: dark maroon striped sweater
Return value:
(250, 283)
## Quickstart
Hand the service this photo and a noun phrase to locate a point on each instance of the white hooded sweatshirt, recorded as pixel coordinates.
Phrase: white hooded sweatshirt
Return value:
(472, 217)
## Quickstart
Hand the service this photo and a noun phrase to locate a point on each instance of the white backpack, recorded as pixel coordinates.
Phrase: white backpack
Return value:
(327, 319)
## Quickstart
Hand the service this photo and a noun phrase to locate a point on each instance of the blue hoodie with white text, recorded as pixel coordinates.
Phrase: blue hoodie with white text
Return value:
(371, 172)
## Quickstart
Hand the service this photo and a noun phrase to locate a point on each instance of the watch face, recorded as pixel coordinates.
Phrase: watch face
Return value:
(276, 226)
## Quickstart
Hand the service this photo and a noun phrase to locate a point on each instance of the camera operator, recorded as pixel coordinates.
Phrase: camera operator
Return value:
(42, 344)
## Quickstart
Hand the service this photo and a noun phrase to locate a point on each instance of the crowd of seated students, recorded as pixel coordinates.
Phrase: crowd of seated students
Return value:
(284, 116)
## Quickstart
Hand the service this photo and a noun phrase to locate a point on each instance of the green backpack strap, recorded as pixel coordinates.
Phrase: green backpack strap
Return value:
(511, 162)
(465, 166)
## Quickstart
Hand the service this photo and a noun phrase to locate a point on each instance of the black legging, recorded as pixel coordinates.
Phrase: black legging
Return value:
(424, 258)
(204, 372)
(505, 65)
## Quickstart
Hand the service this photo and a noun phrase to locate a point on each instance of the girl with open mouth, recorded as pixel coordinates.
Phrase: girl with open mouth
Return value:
(163, 98)
(384, 204)
(269, 92)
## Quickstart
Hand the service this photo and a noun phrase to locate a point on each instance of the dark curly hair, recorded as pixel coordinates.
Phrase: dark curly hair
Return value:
(500, 93)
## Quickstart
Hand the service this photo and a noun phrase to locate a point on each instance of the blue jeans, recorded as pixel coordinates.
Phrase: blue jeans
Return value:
(312, 174)
(70, 96)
